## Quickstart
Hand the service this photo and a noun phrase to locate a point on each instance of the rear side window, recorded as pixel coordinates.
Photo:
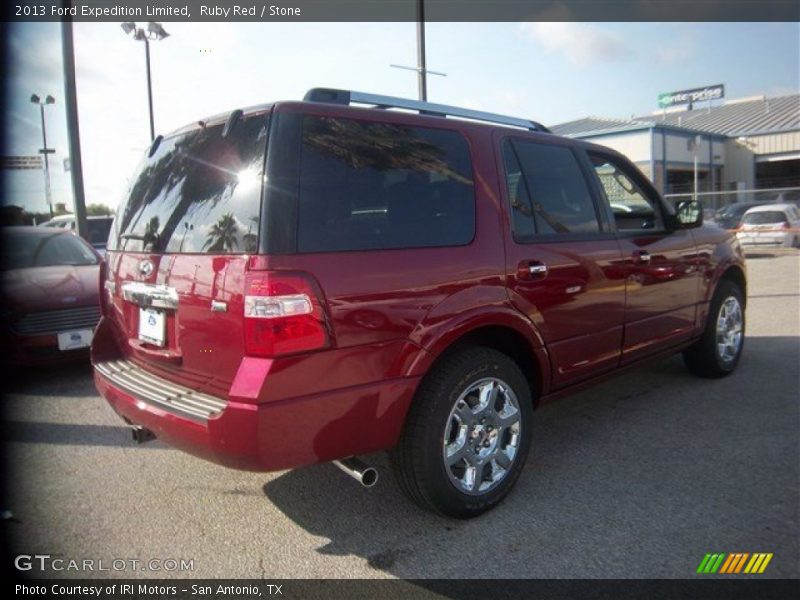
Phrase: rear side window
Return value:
(200, 192)
(553, 196)
(368, 186)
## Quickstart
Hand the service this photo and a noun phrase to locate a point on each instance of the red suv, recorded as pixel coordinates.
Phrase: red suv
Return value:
(311, 281)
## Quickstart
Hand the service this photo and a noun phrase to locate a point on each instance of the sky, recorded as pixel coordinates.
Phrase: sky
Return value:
(548, 72)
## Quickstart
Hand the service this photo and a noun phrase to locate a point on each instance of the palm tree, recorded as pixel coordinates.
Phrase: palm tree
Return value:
(223, 235)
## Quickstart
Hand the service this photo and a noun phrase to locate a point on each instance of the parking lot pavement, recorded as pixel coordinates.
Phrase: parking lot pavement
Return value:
(638, 477)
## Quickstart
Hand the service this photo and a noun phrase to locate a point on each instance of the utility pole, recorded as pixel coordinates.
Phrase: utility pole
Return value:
(423, 84)
(421, 68)
(73, 130)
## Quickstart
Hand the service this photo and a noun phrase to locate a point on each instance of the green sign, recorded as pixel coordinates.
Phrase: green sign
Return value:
(711, 92)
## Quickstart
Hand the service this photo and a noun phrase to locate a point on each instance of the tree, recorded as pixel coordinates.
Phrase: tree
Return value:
(223, 234)
(98, 210)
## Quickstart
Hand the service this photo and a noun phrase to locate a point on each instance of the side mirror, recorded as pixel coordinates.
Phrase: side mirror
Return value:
(689, 214)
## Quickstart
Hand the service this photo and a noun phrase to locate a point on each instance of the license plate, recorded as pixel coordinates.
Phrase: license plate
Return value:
(151, 326)
(72, 340)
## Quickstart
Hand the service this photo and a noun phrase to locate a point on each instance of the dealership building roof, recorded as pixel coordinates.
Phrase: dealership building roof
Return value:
(747, 116)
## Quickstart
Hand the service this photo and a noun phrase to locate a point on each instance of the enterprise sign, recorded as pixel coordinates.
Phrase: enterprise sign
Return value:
(710, 92)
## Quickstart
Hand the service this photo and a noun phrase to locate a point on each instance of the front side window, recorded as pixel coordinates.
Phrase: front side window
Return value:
(366, 186)
(631, 207)
(547, 190)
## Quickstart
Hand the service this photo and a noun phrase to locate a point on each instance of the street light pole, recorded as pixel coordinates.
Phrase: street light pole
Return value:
(48, 193)
(45, 150)
(149, 88)
(154, 32)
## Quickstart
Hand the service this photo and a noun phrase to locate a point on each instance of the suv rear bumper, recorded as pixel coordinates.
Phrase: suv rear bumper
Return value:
(268, 436)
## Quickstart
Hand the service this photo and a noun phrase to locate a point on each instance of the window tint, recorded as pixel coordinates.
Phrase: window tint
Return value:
(631, 207)
(378, 185)
(559, 195)
(199, 192)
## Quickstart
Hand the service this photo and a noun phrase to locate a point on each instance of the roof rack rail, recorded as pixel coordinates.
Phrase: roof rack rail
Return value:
(346, 97)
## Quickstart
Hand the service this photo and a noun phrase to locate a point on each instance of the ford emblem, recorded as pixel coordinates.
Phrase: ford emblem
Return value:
(146, 268)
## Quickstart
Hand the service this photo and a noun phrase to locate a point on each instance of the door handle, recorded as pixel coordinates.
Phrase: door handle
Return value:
(641, 257)
(531, 269)
(537, 269)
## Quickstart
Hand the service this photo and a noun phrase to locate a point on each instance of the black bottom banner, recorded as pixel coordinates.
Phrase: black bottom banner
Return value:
(483, 589)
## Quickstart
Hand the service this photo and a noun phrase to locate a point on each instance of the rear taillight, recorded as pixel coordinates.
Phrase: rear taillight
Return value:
(283, 314)
(786, 225)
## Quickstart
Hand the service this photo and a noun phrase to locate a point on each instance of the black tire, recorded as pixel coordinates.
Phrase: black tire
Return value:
(704, 358)
(419, 458)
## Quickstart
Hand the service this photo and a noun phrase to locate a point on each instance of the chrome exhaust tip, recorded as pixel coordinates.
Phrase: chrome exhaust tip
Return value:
(141, 434)
(358, 470)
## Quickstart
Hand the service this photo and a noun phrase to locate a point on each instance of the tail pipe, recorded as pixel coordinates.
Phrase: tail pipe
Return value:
(142, 435)
(358, 470)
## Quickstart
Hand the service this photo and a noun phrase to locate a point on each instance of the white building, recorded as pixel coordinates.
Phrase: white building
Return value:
(750, 143)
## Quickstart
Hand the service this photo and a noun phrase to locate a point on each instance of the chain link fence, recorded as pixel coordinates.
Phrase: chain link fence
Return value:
(727, 207)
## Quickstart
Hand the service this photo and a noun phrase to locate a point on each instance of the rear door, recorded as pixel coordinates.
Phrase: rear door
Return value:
(563, 262)
(662, 277)
(179, 249)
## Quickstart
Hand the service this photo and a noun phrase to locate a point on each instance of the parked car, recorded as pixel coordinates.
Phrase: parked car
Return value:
(99, 228)
(50, 298)
(775, 225)
(312, 281)
(730, 217)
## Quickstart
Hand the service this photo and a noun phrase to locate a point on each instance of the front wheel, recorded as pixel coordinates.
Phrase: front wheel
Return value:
(717, 352)
(467, 434)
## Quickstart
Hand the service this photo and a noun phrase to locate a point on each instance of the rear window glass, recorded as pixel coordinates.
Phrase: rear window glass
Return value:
(764, 217)
(23, 250)
(370, 186)
(199, 193)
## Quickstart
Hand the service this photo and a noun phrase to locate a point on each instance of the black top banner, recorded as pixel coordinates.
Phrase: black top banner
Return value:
(403, 10)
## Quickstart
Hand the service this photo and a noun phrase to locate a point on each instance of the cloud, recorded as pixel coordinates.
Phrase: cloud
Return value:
(581, 43)
(683, 49)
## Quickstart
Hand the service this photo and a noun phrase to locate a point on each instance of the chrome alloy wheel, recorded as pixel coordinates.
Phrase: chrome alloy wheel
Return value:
(729, 329)
(482, 436)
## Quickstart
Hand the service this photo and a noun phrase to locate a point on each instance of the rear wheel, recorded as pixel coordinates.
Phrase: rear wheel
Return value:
(717, 353)
(467, 435)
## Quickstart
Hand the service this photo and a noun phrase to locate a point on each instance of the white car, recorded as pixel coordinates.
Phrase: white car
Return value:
(776, 225)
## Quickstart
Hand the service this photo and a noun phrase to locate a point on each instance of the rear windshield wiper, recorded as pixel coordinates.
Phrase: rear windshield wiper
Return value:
(145, 238)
